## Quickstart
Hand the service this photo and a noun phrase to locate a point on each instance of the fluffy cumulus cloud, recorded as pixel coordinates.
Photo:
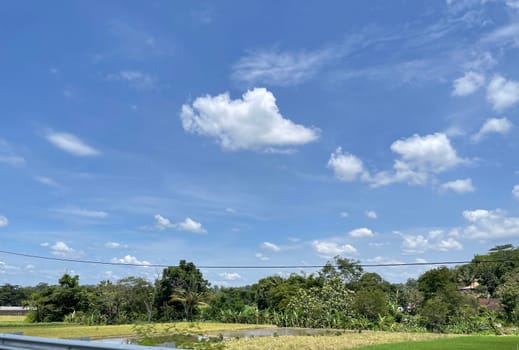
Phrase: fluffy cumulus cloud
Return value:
(250, 123)
(468, 84)
(270, 246)
(459, 186)
(279, 68)
(361, 232)
(346, 167)
(188, 225)
(420, 157)
(371, 214)
(515, 191)
(331, 248)
(3, 221)
(489, 224)
(231, 276)
(61, 249)
(433, 240)
(130, 260)
(191, 225)
(502, 93)
(493, 126)
(71, 144)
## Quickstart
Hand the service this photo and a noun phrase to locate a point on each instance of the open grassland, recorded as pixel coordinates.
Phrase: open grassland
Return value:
(463, 343)
(331, 342)
(60, 330)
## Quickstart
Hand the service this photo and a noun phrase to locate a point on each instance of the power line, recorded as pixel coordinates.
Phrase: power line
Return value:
(258, 267)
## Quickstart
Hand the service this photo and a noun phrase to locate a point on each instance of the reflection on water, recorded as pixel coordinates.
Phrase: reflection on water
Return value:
(268, 332)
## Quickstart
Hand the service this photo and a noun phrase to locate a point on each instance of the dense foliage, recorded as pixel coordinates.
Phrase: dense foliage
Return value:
(477, 297)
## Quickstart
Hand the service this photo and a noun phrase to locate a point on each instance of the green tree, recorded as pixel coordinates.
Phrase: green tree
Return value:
(183, 281)
(508, 294)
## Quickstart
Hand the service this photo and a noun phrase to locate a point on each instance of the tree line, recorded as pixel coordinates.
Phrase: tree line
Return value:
(341, 295)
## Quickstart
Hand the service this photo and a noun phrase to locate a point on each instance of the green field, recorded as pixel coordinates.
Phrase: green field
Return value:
(340, 341)
(463, 343)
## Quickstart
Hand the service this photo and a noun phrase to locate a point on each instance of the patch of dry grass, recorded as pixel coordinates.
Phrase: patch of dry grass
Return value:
(10, 318)
(327, 342)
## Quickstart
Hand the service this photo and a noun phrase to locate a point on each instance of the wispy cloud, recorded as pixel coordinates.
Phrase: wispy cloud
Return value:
(46, 181)
(3, 221)
(281, 68)
(7, 155)
(95, 214)
(493, 126)
(70, 144)
(270, 246)
(135, 79)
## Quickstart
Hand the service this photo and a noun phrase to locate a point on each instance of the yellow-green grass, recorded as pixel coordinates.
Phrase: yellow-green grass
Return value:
(328, 342)
(75, 331)
(466, 343)
(11, 318)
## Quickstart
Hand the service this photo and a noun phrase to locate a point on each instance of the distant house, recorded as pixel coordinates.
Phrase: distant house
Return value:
(14, 310)
(470, 288)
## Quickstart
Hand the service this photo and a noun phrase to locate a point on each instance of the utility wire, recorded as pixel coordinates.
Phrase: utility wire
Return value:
(93, 262)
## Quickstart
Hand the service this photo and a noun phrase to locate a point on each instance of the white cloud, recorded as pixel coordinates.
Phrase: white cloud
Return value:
(506, 35)
(46, 181)
(94, 214)
(493, 126)
(250, 123)
(270, 246)
(431, 153)
(489, 224)
(63, 250)
(7, 155)
(262, 257)
(434, 240)
(515, 191)
(231, 276)
(502, 93)
(346, 167)
(230, 210)
(361, 232)
(44, 244)
(468, 84)
(420, 158)
(189, 225)
(449, 244)
(3, 221)
(371, 214)
(459, 186)
(136, 79)
(513, 4)
(114, 245)
(344, 214)
(71, 144)
(279, 68)
(131, 260)
(329, 248)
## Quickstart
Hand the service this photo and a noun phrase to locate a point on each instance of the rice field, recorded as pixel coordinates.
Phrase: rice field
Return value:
(329, 342)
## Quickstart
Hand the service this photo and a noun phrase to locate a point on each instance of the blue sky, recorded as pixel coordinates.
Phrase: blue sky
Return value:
(255, 133)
